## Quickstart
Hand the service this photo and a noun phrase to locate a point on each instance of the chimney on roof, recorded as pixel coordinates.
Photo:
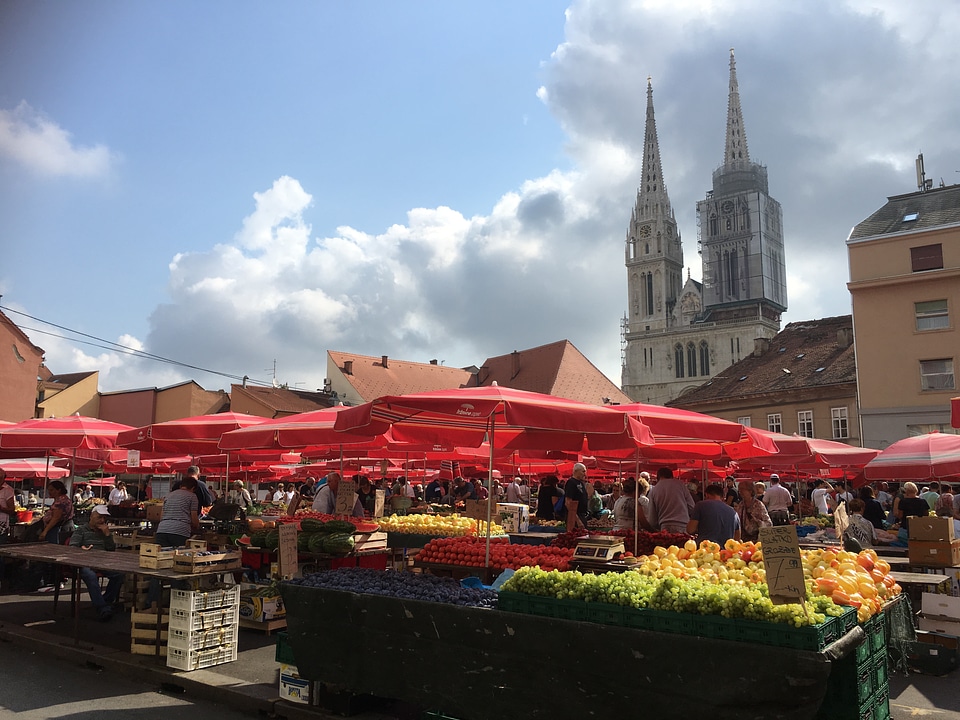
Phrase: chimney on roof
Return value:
(760, 346)
(348, 367)
(433, 362)
(383, 360)
(844, 338)
(515, 356)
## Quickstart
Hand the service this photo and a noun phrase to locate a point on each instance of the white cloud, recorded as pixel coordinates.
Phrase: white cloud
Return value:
(43, 147)
(837, 99)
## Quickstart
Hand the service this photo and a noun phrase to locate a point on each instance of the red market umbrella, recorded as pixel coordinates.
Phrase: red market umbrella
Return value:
(922, 457)
(516, 419)
(686, 434)
(797, 451)
(309, 429)
(73, 432)
(195, 435)
(32, 468)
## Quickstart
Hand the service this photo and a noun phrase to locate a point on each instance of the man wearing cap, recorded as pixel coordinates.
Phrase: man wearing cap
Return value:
(239, 495)
(95, 535)
(778, 501)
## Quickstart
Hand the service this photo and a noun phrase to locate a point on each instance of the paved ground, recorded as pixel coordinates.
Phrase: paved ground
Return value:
(103, 672)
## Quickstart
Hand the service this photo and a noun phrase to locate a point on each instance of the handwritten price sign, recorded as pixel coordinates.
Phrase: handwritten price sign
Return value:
(781, 560)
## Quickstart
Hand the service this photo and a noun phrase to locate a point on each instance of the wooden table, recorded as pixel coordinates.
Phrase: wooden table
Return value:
(109, 561)
(915, 584)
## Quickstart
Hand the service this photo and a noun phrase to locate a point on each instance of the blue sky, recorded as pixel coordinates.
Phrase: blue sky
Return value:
(229, 184)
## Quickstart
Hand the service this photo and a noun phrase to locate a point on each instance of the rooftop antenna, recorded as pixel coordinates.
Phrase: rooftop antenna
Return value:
(274, 372)
(922, 183)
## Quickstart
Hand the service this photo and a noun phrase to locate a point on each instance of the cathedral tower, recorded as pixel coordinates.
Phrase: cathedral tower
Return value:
(676, 335)
(741, 230)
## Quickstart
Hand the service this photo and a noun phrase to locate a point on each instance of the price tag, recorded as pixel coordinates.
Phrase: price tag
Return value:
(346, 498)
(781, 560)
(288, 550)
(379, 499)
(475, 509)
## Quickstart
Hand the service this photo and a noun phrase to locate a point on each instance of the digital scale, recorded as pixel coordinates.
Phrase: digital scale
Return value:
(597, 550)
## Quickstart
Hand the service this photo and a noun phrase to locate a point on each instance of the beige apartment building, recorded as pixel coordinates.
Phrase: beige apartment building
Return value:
(905, 286)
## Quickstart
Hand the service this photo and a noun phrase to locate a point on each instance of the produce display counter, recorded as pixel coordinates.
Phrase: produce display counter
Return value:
(915, 584)
(532, 538)
(338, 636)
(457, 572)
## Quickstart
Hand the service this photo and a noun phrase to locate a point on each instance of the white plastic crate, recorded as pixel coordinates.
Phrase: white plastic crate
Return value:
(200, 639)
(192, 600)
(181, 659)
(204, 619)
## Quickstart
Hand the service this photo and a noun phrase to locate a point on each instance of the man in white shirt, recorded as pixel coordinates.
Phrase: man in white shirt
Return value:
(820, 497)
(513, 491)
(778, 501)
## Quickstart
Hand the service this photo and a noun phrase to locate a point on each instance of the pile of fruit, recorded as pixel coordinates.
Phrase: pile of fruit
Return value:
(821, 521)
(444, 526)
(471, 552)
(540, 522)
(692, 595)
(412, 586)
(859, 580)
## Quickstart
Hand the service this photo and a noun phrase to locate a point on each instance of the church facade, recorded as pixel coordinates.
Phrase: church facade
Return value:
(678, 333)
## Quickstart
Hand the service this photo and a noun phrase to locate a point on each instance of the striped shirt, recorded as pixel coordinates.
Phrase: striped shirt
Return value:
(178, 507)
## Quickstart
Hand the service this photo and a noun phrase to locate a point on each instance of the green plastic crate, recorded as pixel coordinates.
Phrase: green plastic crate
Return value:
(554, 608)
(605, 614)
(880, 672)
(758, 633)
(284, 650)
(513, 602)
(660, 621)
(846, 622)
(864, 653)
(876, 629)
(881, 704)
(716, 626)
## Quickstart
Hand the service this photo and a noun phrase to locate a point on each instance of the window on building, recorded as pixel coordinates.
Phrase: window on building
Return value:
(937, 374)
(932, 315)
(805, 423)
(649, 293)
(704, 358)
(744, 420)
(678, 360)
(775, 422)
(691, 360)
(926, 257)
(841, 426)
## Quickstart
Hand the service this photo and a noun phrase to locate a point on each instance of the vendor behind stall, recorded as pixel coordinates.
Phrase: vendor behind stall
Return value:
(95, 535)
(326, 499)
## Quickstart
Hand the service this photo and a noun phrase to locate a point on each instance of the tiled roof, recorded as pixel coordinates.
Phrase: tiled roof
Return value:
(372, 380)
(68, 379)
(283, 401)
(803, 355)
(556, 369)
(933, 208)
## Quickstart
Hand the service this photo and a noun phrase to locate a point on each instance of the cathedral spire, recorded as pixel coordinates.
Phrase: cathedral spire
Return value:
(653, 191)
(735, 150)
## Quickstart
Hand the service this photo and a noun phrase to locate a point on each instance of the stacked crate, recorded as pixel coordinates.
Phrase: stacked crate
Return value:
(858, 685)
(203, 628)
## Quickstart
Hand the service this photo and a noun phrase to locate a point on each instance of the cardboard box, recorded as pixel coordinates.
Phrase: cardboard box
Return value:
(933, 653)
(945, 626)
(154, 512)
(260, 609)
(938, 605)
(514, 517)
(931, 529)
(293, 687)
(936, 554)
